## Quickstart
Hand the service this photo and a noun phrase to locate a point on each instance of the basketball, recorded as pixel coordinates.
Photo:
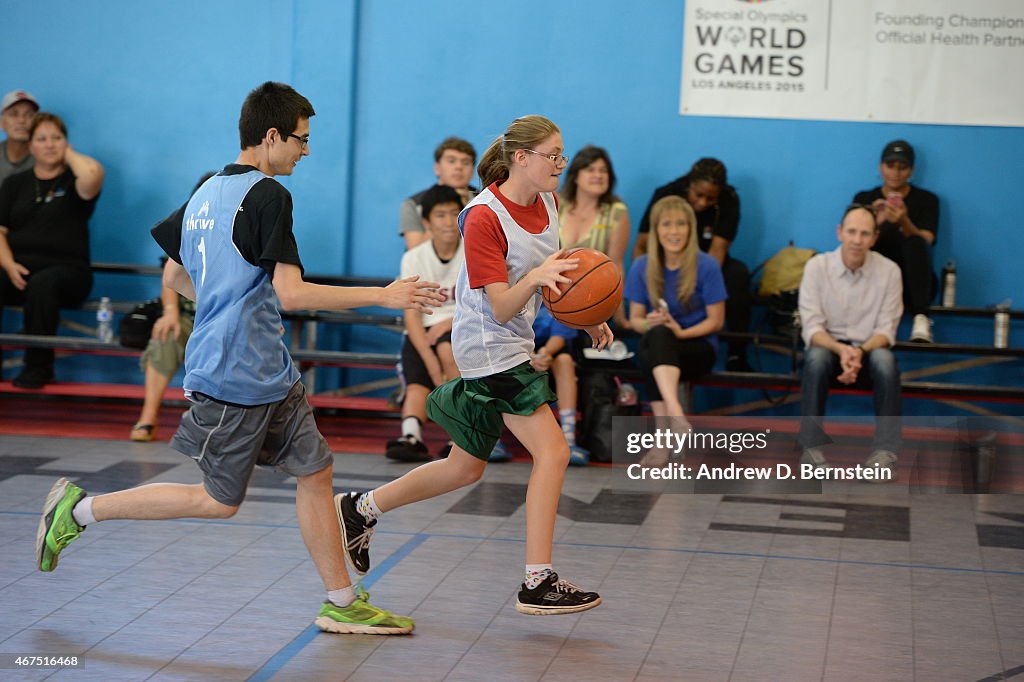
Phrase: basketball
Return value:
(593, 295)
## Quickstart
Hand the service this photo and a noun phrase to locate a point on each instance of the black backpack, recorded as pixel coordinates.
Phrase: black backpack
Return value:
(137, 326)
(598, 402)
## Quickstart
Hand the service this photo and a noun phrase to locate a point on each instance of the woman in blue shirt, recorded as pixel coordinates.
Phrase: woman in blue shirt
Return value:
(677, 301)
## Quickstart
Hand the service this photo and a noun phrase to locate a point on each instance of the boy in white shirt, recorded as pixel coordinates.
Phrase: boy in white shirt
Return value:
(427, 359)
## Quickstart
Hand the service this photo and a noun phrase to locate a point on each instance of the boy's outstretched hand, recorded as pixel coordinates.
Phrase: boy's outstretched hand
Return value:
(601, 336)
(412, 294)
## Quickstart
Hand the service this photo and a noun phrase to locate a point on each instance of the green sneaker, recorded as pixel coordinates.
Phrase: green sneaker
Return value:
(57, 528)
(362, 618)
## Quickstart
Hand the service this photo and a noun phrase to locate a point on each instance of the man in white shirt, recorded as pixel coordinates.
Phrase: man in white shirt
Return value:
(851, 300)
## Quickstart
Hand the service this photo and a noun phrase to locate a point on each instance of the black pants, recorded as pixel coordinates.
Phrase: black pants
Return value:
(915, 261)
(659, 346)
(739, 304)
(49, 288)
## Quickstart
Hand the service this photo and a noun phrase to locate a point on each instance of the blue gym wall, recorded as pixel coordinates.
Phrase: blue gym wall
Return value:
(153, 90)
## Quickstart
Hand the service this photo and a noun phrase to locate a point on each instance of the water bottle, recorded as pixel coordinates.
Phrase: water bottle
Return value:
(949, 285)
(104, 316)
(1002, 330)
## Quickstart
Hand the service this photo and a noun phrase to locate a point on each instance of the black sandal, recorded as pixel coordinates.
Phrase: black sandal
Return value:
(146, 433)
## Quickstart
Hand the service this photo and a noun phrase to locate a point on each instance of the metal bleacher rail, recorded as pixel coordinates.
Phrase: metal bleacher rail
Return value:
(303, 349)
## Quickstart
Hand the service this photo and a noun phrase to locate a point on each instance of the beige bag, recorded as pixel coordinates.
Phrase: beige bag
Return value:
(784, 270)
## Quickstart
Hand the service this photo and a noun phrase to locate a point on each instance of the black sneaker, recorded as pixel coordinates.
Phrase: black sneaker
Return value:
(407, 449)
(554, 597)
(445, 450)
(34, 378)
(356, 532)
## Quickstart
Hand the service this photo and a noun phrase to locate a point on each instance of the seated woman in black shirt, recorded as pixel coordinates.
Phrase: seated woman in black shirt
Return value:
(44, 238)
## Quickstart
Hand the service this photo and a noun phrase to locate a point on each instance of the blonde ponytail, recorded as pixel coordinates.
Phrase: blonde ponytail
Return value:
(492, 167)
(526, 132)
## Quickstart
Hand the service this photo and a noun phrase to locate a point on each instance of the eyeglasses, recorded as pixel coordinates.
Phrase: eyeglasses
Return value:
(304, 141)
(557, 159)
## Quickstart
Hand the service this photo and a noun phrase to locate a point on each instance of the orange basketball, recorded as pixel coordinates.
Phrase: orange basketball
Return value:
(593, 295)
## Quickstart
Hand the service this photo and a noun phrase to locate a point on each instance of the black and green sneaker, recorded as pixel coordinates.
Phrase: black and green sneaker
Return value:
(57, 528)
(554, 597)
(362, 618)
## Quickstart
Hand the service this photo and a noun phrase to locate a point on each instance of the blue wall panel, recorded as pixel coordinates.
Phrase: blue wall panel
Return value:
(153, 91)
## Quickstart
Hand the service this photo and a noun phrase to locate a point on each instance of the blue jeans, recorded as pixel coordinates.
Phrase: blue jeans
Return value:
(880, 373)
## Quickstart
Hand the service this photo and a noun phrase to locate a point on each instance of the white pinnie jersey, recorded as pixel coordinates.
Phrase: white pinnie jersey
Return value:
(483, 346)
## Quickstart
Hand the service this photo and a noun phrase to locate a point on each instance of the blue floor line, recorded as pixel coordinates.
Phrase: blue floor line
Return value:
(292, 649)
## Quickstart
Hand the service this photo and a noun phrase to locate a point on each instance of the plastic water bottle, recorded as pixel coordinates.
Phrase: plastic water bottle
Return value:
(1002, 330)
(104, 316)
(949, 285)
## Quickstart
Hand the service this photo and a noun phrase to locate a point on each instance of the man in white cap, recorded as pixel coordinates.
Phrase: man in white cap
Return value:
(18, 108)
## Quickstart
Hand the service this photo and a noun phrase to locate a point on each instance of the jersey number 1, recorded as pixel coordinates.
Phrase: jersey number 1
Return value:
(202, 251)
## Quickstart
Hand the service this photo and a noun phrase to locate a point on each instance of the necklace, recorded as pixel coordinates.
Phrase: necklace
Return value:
(47, 196)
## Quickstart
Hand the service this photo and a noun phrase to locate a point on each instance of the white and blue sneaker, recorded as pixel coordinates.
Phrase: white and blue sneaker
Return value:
(578, 457)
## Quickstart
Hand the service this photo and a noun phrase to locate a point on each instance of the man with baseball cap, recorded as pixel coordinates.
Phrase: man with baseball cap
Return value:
(908, 220)
(18, 107)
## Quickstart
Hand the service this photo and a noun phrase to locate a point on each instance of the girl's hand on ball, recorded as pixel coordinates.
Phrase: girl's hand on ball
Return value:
(549, 273)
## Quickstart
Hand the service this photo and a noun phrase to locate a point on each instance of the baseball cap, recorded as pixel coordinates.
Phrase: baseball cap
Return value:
(15, 96)
(899, 150)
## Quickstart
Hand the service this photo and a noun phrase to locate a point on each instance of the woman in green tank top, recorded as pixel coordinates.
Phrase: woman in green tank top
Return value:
(590, 214)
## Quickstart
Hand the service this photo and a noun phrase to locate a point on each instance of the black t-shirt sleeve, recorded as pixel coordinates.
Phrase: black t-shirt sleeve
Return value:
(167, 233)
(663, 191)
(6, 200)
(728, 221)
(644, 226)
(867, 197)
(923, 210)
(263, 228)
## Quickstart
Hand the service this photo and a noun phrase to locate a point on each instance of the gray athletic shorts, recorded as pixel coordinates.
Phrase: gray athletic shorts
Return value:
(227, 441)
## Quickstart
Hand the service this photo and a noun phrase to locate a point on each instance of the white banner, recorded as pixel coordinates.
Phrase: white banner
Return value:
(914, 61)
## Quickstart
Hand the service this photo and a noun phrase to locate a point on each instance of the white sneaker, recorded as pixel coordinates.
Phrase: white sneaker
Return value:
(922, 329)
(815, 457)
(882, 460)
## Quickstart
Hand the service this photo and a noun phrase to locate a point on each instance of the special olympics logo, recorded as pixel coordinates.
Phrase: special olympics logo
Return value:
(735, 35)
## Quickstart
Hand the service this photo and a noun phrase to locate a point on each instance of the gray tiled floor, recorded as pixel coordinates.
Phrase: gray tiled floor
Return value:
(791, 596)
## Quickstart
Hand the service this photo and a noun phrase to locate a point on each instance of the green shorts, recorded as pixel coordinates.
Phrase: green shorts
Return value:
(470, 409)
(166, 356)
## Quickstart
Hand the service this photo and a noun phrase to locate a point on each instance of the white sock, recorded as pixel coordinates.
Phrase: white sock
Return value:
(536, 574)
(411, 426)
(568, 421)
(366, 506)
(83, 511)
(342, 597)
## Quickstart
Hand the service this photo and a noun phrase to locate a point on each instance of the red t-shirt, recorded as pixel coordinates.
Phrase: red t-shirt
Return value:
(485, 243)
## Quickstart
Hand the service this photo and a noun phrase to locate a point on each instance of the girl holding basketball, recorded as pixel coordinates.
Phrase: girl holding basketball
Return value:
(510, 232)
(677, 301)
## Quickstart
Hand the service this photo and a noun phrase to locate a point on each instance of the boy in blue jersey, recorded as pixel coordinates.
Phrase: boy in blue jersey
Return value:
(232, 250)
